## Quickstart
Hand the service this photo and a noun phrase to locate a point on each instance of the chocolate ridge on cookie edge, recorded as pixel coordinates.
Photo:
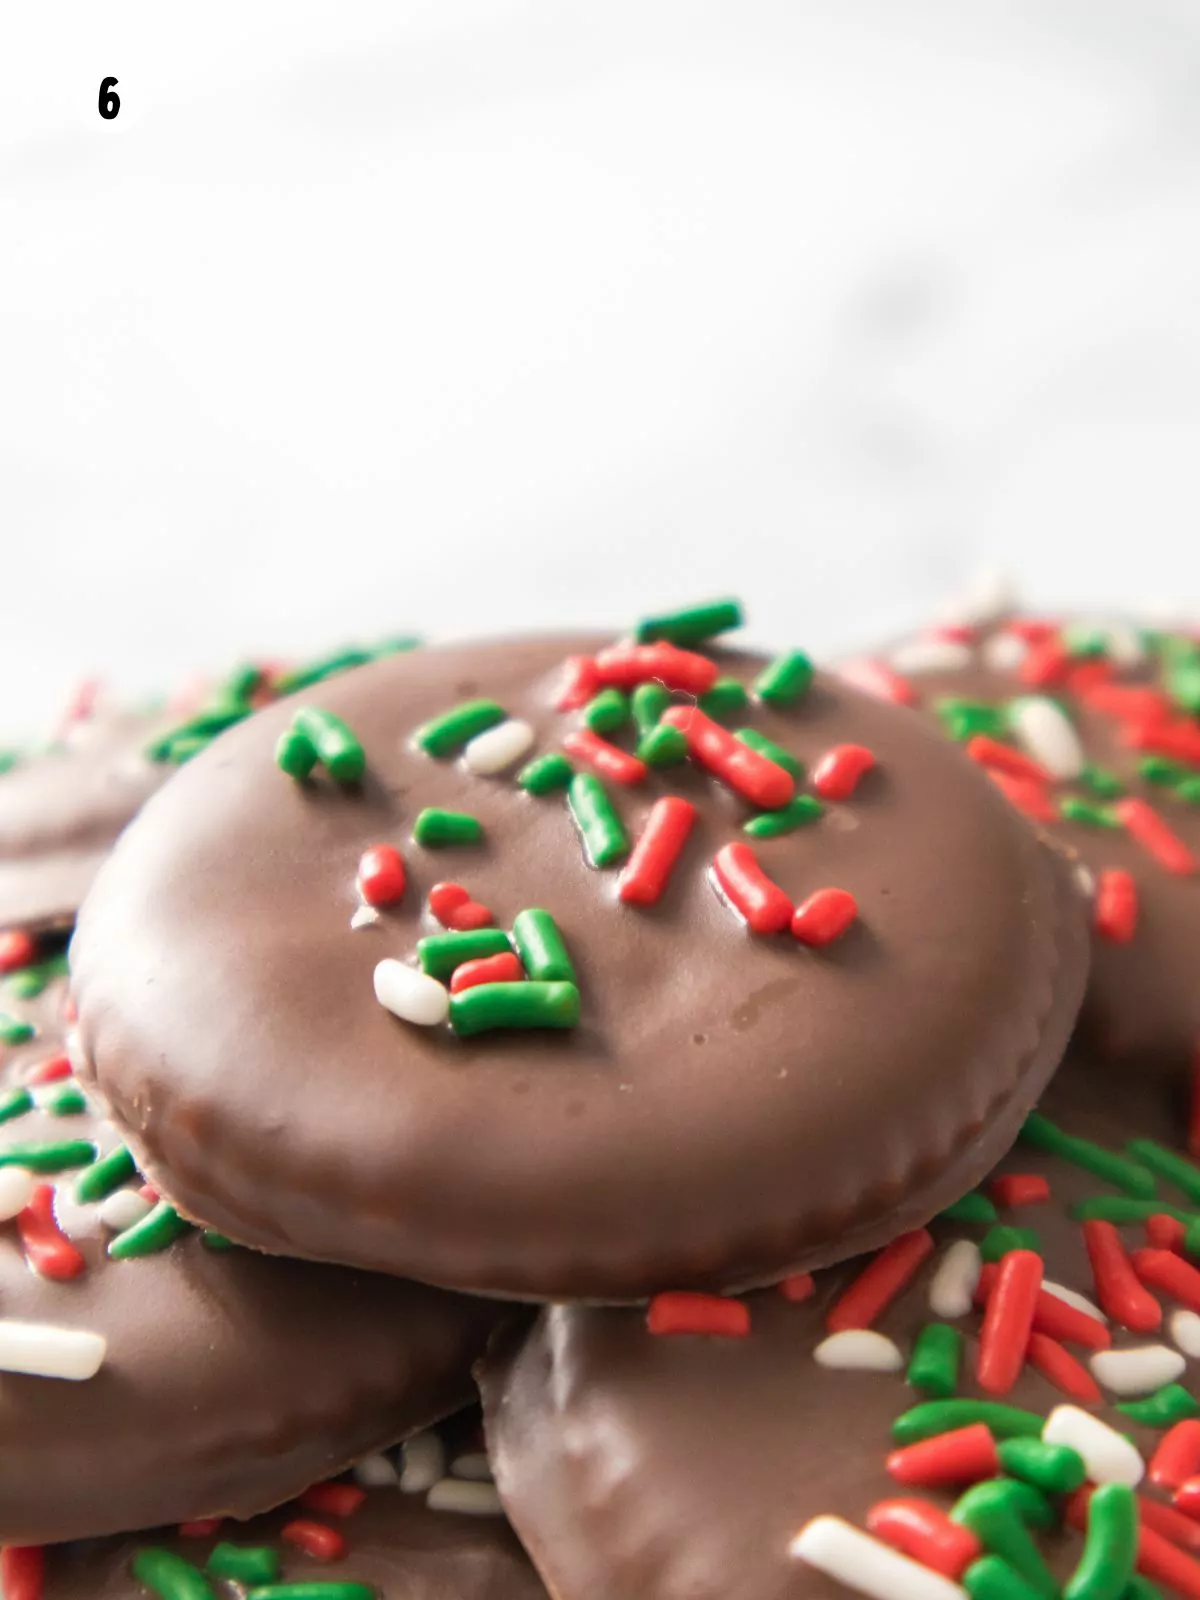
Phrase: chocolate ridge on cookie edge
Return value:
(676, 1102)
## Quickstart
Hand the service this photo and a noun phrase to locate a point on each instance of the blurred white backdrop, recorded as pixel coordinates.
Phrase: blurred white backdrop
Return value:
(462, 315)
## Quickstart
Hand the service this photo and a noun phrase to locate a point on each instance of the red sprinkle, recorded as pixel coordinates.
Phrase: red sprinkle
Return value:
(149, 1192)
(1187, 1497)
(763, 904)
(1008, 1321)
(1115, 909)
(764, 783)
(679, 1311)
(839, 771)
(47, 1249)
(316, 1539)
(580, 682)
(1029, 798)
(52, 1070)
(1117, 1289)
(1087, 675)
(608, 759)
(504, 968)
(1170, 1274)
(1179, 740)
(1003, 758)
(1045, 663)
(1127, 703)
(1146, 826)
(1053, 1316)
(1177, 1456)
(333, 1499)
(17, 949)
(1165, 1233)
(649, 868)
(967, 1455)
(1034, 630)
(22, 1571)
(626, 665)
(824, 917)
(1056, 1363)
(381, 876)
(926, 1533)
(879, 1282)
(796, 1286)
(1170, 1523)
(1020, 1189)
(200, 1527)
(454, 908)
(69, 1009)
(873, 678)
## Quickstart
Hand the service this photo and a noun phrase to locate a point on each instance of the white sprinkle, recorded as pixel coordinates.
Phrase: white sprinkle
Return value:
(472, 1499)
(1125, 645)
(45, 1352)
(411, 995)
(988, 596)
(365, 917)
(123, 1209)
(16, 1191)
(75, 1052)
(1044, 731)
(375, 1472)
(860, 1562)
(1004, 652)
(422, 1463)
(472, 1464)
(859, 1350)
(1185, 1330)
(952, 1288)
(1086, 879)
(1108, 1456)
(930, 655)
(1072, 1297)
(1137, 1371)
(498, 747)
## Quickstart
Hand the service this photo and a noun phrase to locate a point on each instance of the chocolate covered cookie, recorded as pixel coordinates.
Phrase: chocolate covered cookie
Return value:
(568, 968)
(151, 1372)
(999, 1405)
(1092, 730)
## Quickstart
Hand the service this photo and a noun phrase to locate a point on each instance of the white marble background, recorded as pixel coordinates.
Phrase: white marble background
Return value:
(479, 314)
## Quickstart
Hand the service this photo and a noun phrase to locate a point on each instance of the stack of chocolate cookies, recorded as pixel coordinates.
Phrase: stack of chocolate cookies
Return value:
(770, 1090)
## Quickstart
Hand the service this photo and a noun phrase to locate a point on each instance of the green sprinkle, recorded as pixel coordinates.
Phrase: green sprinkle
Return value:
(1182, 683)
(446, 735)
(753, 740)
(974, 1207)
(435, 828)
(1122, 1211)
(16, 1104)
(103, 1176)
(604, 838)
(992, 1513)
(1110, 1548)
(784, 680)
(1084, 812)
(935, 1360)
(1139, 1588)
(1170, 1404)
(1176, 1169)
(324, 667)
(65, 1102)
(8, 760)
(294, 753)
(726, 698)
(943, 1416)
(14, 1032)
(31, 981)
(1159, 770)
(998, 1241)
(314, 1589)
(964, 719)
(1045, 1135)
(1101, 781)
(58, 1156)
(991, 1578)
(692, 626)
(1189, 791)
(514, 1005)
(608, 711)
(541, 948)
(336, 745)
(649, 702)
(153, 1233)
(170, 1576)
(663, 746)
(1084, 642)
(440, 953)
(216, 1241)
(546, 774)
(244, 1563)
(803, 809)
(1053, 1468)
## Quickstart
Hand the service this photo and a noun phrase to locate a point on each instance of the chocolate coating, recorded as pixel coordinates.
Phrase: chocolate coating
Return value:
(62, 809)
(730, 1106)
(1143, 1001)
(680, 1468)
(231, 1381)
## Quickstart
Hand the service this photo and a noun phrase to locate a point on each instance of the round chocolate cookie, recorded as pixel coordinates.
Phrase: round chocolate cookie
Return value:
(816, 1432)
(150, 1372)
(718, 1006)
(1093, 731)
(379, 1542)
